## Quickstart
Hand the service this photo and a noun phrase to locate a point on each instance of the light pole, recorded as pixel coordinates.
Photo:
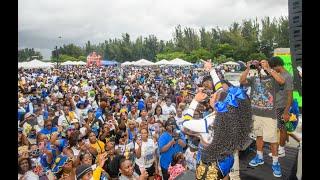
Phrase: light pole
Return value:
(57, 52)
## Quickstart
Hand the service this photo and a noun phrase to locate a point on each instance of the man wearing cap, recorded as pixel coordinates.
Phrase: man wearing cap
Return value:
(84, 172)
(28, 123)
(65, 119)
(169, 144)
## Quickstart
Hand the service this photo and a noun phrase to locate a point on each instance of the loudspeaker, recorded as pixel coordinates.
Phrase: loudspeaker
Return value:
(295, 38)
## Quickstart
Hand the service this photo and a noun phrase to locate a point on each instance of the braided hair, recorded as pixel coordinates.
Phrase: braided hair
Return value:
(231, 131)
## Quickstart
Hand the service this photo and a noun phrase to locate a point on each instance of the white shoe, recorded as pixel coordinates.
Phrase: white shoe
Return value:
(280, 154)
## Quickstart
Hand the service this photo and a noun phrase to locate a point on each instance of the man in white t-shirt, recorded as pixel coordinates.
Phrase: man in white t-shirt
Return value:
(65, 119)
(179, 118)
(168, 107)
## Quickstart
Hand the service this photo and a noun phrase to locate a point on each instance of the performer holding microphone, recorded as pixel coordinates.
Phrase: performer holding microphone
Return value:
(222, 132)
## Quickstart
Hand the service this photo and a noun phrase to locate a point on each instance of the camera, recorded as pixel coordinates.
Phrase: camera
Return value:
(255, 65)
(176, 134)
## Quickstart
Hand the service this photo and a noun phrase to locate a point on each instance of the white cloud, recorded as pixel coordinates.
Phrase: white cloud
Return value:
(77, 21)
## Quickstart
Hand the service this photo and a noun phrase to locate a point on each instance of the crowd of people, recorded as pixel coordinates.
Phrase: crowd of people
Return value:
(70, 118)
(79, 122)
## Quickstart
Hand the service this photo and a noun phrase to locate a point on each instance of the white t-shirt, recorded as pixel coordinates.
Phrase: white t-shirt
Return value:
(82, 114)
(147, 154)
(162, 118)
(29, 175)
(167, 109)
(190, 159)
(139, 120)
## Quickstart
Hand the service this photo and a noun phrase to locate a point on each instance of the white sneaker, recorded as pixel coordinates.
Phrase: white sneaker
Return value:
(280, 153)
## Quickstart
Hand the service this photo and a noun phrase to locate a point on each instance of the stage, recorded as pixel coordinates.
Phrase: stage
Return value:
(263, 172)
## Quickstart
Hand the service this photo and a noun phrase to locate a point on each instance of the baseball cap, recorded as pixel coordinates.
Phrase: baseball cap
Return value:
(82, 170)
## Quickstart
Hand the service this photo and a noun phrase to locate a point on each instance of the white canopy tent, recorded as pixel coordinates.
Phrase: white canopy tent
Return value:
(163, 62)
(81, 63)
(143, 62)
(69, 63)
(21, 64)
(179, 62)
(231, 63)
(127, 63)
(34, 64)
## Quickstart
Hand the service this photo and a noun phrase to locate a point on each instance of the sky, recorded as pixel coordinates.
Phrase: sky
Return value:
(41, 22)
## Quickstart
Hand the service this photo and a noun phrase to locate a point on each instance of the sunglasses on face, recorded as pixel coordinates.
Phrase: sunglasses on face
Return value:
(35, 152)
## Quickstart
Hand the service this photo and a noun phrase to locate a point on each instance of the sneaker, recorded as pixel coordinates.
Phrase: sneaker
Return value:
(280, 154)
(256, 161)
(276, 170)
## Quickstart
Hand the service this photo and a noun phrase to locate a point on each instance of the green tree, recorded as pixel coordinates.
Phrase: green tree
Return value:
(222, 59)
(199, 54)
(28, 54)
(65, 58)
(268, 36)
(82, 58)
(256, 56)
(282, 37)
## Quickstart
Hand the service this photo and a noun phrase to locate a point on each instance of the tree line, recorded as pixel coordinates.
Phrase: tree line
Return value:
(250, 39)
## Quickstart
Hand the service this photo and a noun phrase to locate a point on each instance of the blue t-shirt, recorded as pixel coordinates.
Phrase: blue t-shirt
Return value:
(43, 157)
(47, 132)
(99, 113)
(166, 157)
(141, 104)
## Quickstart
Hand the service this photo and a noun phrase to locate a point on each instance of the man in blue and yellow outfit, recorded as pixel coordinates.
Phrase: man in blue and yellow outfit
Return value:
(223, 132)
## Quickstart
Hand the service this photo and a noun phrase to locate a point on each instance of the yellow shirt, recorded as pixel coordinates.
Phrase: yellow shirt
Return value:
(99, 147)
(97, 173)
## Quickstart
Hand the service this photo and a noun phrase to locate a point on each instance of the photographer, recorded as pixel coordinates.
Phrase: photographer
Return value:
(170, 142)
(263, 89)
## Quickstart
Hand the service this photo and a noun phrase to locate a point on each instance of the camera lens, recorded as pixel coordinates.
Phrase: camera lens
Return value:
(252, 66)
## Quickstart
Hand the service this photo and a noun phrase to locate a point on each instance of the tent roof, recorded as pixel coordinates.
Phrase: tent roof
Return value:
(143, 62)
(126, 63)
(231, 63)
(179, 62)
(35, 64)
(162, 62)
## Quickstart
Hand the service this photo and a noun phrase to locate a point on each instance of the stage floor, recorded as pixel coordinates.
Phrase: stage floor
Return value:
(263, 172)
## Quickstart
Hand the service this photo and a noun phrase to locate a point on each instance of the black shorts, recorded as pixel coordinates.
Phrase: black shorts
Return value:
(151, 170)
(280, 121)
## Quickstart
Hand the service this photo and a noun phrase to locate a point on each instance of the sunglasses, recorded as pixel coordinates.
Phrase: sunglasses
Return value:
(35, 152)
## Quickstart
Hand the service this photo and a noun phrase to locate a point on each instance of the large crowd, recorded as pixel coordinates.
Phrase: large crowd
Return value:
(75, 117)
(79, 122)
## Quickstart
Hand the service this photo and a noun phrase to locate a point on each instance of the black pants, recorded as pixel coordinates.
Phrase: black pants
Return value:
(165, 174)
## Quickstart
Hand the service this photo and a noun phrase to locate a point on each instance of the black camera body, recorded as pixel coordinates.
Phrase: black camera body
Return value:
(255, 65)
